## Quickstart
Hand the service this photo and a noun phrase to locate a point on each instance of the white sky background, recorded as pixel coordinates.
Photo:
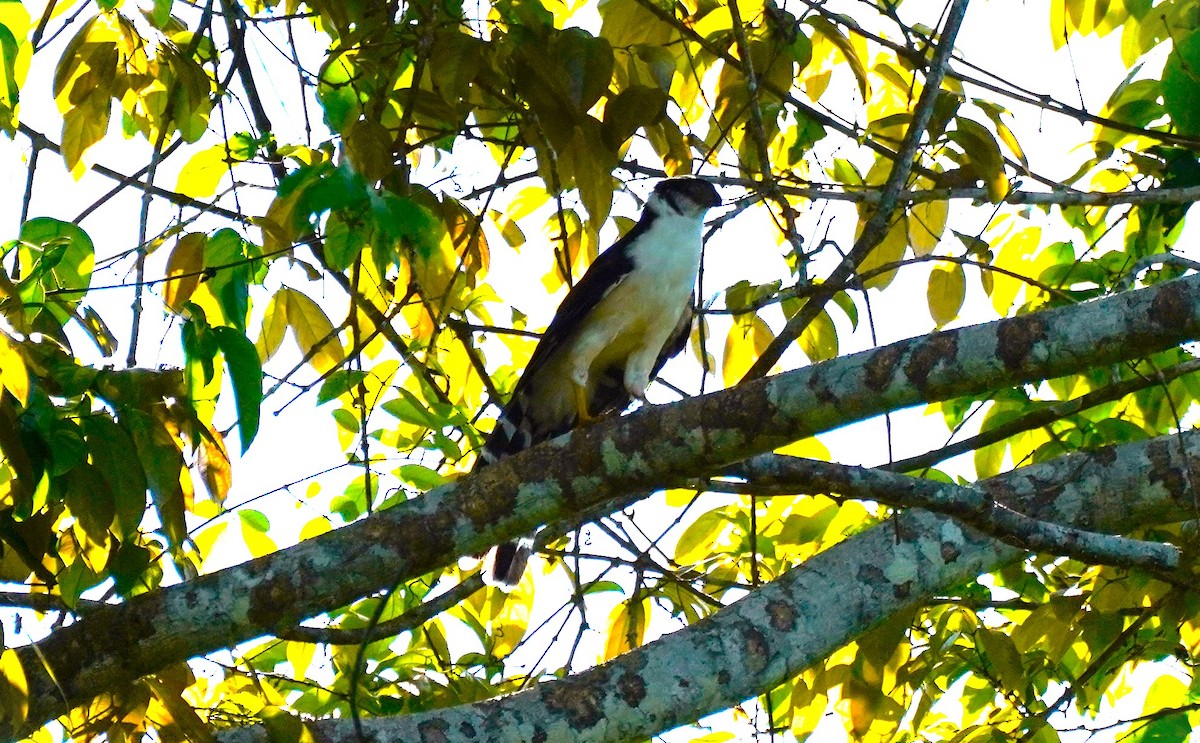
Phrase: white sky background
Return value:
(1008, 38)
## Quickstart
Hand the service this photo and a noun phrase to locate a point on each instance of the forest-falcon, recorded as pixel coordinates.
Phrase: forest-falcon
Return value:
(629, 314)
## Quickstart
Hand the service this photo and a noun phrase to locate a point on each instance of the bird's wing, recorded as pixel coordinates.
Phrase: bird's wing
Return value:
(512, 432)
(605, 273)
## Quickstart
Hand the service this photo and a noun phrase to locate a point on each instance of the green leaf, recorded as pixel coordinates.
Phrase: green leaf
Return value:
(256, 520)
(128, 566)
(1180, 80)
(633, 108)
(162, 461)
(63, 255)
(338, 383)
(420, 477)
(409, 408)
(981, 148)
(91, 501)
(245, 373)
(1003, 657)
(10, 79)
(584, 63)
(114, 455)
(699, 539)
(76, 579)
(592, 164)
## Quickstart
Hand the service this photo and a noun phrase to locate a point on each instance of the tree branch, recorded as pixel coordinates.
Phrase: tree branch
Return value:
(649, 449)
(790, 624)
(972, 506)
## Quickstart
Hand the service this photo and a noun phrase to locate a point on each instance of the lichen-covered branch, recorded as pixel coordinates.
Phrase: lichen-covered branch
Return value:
(791, 623)
(117, 644)
(969, 505)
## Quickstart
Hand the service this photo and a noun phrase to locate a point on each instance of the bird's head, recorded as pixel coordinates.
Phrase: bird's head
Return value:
(687, 196)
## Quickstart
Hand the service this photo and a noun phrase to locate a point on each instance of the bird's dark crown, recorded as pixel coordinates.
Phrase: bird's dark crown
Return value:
(687, 193)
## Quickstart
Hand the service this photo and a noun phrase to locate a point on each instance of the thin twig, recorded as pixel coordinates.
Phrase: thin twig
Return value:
(877, 226)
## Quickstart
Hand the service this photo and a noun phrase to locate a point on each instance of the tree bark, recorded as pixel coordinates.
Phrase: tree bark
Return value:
(113, 646)
(805, 615)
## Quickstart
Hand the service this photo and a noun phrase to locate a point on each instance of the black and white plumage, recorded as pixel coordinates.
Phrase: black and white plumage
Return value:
(629, 314)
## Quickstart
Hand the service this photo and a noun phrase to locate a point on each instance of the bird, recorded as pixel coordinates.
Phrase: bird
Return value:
(616, 328)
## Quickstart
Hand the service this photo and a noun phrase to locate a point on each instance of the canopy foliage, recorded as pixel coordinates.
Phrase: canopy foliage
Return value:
(245, 231)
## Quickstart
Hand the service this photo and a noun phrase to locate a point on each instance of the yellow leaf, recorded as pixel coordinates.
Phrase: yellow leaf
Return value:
(529, 200)
(283, 725)
(1020, 256)
(315, 528)
(313, 331)
(206, 540)
(889, 251)
(819, 340)
(255, 538)
(202, 172)
(274, 326)
(926, 223)
(213, 462)
(854, 53)
(178, 713)
(946, 291)
(810, 448)
(626, 629)
(511, 619)
(746, 341)
(14, 375)
(184, 268)
(300, 655)
(83, 126)
(14, 689)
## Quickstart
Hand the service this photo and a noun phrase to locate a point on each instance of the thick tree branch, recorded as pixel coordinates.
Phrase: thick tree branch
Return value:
(972, 506)
(791, 623)
(115, 645)
(1043, 417)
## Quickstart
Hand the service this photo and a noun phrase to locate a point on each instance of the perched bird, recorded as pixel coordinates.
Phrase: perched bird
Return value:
(629, 314)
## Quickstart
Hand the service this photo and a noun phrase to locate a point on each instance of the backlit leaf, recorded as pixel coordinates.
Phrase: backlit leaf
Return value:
(848, 49)
(184, 268)
(819, 340)
(926, 223)
(202, 172)
(626, 629)
(946, 291)
(14, 376)
(212, 460)
(747, 340)
(313, 331)
(889, 251)
(14, 689)
(274, 327)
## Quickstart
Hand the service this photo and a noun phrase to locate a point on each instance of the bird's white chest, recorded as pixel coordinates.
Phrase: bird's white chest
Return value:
(667, 258)
(638, 314)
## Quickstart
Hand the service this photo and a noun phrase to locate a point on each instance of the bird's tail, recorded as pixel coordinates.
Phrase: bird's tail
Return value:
(505, 563)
